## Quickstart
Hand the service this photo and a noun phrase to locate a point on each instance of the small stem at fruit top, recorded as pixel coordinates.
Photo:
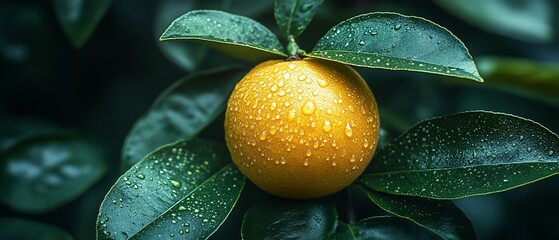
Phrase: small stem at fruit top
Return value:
(294, 51)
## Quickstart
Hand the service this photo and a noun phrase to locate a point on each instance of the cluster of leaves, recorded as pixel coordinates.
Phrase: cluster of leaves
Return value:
(178, 185)
(188, 188)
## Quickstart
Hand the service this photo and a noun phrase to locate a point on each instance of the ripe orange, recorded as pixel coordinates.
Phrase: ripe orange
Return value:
(302, 129)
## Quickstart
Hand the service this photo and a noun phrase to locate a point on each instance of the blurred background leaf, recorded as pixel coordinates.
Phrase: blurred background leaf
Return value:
(47, 171)
(79, 18)
(180, 112)
(526, 20)
(187, 55)
(13, 228)
(537, 80)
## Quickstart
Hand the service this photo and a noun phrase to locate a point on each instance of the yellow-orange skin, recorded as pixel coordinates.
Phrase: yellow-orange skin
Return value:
(302, 129)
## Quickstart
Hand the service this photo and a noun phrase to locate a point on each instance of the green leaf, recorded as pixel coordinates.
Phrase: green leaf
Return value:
(442, 218)
(382, 227)
(185, 189)
(16, 130)
(187, 55)
(528, 20)
(293, 16)
(525, 77)
(181, 112)
(14, 228)
(465, 154)
(47, 171)
(236, 35)
(290, 219)
(80, 17)
(397, 42)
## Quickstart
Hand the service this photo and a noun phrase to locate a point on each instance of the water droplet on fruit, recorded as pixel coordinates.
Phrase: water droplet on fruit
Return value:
(263, 135)
(291, 114)
(322, 83)
(287, 76)
(302, 77)
(348, 130)
(309, 108)
(327, 126)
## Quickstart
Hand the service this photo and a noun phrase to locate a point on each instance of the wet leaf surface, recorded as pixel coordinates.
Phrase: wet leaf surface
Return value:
(442, 218)
(397, 42)
(290, 219)
(236, 35)
(465, 154)
(184, 190)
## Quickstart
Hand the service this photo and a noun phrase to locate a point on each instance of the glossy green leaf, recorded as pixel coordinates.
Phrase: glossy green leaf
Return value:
(382, 228)
(525, 77)
(187, 55)
(465, 154)
(181, 112)
(397, 42)
(184, 190)
(290, 219)
(528, 20)
(47, 171)
(79, 18)
(239, 36)
(14, 228)
(293, 16)
(442, 218)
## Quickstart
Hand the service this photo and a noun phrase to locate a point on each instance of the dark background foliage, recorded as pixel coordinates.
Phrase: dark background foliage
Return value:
(99, 90)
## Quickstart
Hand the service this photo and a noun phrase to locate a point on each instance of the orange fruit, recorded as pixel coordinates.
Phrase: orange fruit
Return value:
(303, 128)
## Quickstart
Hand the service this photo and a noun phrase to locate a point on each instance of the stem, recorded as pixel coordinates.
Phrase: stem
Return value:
(293, 49)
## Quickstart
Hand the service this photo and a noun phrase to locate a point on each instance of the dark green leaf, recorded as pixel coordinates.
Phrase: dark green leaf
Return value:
(288, 219)
(528, 20)
(382, 228)
(239, 36)
(397, 42)
(185, 189)
(442, 218)
(13, 228)
(465, 154)
(188, 55)
(47, 171)
(180, 112)
(80, 17)
(13, 131)
(521, 76)
(293, 16)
